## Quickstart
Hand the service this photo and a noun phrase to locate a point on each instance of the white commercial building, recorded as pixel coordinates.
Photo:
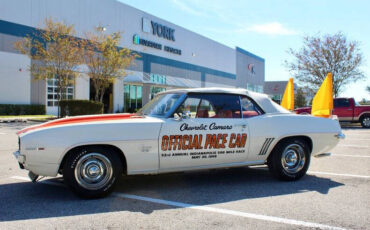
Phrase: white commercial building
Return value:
(170, 55)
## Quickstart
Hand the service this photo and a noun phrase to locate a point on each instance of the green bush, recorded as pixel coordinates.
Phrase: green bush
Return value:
(80, 107)
(13, 109)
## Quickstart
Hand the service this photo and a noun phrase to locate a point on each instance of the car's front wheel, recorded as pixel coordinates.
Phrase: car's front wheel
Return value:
(290, 159)
(92, 171)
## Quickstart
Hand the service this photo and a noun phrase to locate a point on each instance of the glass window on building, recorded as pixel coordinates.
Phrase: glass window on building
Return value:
(154, 90)
(158, 79)
(255, 88)
(53, 95)
(276, 98)
(133, 97)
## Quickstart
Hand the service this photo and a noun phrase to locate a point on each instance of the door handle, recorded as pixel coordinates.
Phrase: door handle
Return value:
(241, 125)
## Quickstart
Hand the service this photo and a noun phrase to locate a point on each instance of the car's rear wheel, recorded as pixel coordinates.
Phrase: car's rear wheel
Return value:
(290, 159)
(92, 171)
(365, 121)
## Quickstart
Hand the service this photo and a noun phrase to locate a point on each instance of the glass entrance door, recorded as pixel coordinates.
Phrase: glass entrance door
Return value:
(133, 98)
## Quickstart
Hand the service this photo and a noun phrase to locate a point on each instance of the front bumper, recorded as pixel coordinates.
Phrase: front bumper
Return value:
(20, 158)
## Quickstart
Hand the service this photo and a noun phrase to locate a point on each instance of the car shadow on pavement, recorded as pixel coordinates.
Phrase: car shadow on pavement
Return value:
(21, 201)
(221, 185)
(353, 128)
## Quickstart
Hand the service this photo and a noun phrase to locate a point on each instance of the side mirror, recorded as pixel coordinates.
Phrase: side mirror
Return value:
(186, 115)
(182, 115)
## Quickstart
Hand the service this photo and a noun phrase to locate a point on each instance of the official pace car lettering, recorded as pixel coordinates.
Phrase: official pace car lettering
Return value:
(172, 144)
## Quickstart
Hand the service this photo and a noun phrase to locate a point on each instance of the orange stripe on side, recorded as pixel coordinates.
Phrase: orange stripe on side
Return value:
(80, 119)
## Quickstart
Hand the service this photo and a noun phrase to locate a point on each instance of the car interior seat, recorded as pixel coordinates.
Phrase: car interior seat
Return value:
(202, 113)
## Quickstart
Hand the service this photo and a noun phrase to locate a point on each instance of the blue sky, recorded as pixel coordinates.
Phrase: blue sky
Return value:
(269, 28)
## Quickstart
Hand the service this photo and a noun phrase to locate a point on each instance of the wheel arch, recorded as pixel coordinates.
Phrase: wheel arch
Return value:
(306, 139)
(363, 115)
(115, 149)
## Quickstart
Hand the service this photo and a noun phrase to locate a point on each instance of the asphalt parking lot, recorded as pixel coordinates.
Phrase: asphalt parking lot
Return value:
(334, 195)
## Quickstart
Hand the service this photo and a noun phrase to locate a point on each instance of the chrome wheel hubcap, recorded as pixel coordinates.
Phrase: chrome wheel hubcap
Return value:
(293, 158)
(93, 171)
(366, 121)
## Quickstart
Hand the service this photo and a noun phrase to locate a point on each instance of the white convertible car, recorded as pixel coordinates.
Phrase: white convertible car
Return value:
(179, 130)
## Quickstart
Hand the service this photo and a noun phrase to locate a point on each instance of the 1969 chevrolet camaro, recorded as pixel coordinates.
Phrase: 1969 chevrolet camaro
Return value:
(179, 130)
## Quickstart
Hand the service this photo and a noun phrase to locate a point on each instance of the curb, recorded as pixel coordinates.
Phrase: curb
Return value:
(23, 120)
(12, 120)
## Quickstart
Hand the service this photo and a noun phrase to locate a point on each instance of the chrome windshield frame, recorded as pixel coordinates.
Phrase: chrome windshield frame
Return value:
(181, 99)
(171, 111)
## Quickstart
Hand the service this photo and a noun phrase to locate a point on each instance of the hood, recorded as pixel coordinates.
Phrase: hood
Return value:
(303, 108)
(80, 119)
(363, 106)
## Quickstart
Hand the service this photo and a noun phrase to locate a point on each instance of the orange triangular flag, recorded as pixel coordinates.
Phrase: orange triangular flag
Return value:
(322, 103)
(288, 99)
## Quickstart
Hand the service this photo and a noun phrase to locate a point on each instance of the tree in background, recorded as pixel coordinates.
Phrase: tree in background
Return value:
(321, 55)
(368, 89)
(104, 60)
(300, 98)
(55, 52)
(364, 102)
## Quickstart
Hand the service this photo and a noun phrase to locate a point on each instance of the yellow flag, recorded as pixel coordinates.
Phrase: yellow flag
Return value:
(322, 103)
(288, 98)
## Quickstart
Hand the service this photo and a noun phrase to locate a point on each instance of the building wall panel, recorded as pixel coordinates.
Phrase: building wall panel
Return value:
(250, 69)
(82, 87)
(15, 79)
(115, 16)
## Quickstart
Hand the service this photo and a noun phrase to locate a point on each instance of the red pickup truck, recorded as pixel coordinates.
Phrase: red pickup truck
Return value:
(348, 110)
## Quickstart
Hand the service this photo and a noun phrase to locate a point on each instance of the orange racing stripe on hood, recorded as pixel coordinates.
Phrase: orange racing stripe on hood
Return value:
(80, 119)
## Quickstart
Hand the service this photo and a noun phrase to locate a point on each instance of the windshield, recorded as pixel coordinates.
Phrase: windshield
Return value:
(160, 105)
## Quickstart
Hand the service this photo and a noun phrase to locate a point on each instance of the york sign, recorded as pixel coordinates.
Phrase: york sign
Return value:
(158, 29)
(163, 31)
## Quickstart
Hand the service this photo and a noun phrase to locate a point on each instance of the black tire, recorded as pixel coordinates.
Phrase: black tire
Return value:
(92, 171)
(365, 121)
(282, 156)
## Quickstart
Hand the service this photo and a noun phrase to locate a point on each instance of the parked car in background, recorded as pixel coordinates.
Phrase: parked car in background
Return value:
(347, 110)
(179, 130)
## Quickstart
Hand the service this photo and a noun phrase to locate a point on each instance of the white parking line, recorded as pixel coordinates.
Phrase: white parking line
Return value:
(259, 167)
(355, 135)
(345, 155)
(2, 133)
(228, 212)
(210, 209)
(357, 139)
(356, 146)
(338, 174)
(355, 132)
